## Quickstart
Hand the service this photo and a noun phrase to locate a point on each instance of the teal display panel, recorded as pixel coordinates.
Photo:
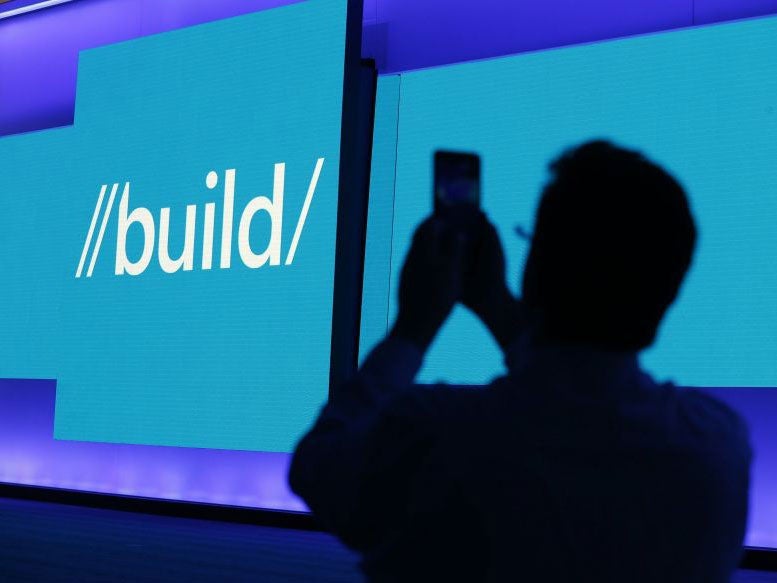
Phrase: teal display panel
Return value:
(702, 102)
(169, 259)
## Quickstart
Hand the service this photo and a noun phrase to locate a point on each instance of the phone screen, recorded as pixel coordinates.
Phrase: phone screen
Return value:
(456, 180)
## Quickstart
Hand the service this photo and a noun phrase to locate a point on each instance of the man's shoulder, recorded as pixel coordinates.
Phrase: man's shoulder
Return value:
(437, 408)
(443, 397)
(709, 422)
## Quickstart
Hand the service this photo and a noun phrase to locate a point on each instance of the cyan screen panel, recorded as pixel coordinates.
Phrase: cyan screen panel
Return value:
(703, 102)
(170, 258)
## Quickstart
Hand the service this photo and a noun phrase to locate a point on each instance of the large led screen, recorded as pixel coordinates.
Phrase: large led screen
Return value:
(702, 102)
(169, 259)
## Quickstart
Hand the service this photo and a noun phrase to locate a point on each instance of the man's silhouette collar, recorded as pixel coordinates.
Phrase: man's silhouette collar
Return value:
(573, 366)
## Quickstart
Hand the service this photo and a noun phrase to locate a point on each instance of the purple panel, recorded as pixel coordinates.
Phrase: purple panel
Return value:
(39, 50)
(370, 11)
(14, 4)
(164, 15)
(39, 58)
(707, 11)
(30, 455)
(433, 32)
(759, 408)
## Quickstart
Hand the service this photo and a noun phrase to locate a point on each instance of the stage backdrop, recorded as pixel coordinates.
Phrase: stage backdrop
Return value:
(38, 66)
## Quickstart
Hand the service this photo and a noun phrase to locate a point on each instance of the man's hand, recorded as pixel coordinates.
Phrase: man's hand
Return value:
(485, 290)
(430, 284)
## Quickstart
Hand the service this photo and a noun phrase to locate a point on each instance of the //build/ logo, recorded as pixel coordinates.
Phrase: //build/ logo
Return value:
(185, 261)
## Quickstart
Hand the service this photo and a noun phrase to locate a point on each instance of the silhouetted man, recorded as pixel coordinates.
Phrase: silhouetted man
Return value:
(576, 465)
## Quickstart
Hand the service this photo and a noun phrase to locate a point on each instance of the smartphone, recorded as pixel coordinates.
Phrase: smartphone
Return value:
(456, 182)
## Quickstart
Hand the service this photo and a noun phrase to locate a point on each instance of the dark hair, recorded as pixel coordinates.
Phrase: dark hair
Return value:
(613, 240)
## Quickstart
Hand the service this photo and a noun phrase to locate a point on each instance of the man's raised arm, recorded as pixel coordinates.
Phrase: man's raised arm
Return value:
(350, 466)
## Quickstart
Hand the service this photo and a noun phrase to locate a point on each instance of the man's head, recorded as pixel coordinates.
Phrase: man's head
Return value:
(613, 240)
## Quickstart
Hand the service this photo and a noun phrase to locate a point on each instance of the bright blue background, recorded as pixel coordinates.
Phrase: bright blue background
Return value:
(229, 359)
(703, 102)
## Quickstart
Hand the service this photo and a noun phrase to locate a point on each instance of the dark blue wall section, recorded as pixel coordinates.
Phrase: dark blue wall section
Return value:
(39, 51)
(432, 32)
(706, 11)
(410, 34)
